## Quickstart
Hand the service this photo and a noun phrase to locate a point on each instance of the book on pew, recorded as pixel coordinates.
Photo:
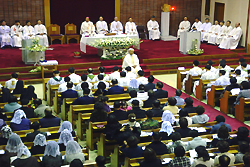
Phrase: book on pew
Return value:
(235, 91)
(144, 134)
(199, 129)
(2, 152)
(166, 160)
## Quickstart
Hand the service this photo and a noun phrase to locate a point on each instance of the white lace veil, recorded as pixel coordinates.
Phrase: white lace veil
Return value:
(14, 143)
(65, 125)
(168, 116)
(166, 127)
(40, 140)
(6, 132)
(17, 119)
(133, 84)
(23, 150)
(65, 136)
(73, 148)
(52, 149)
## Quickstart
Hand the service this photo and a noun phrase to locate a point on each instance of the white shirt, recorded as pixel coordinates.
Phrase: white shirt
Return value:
(100, 25)
(96, 84)
(209, 75)
(240, 79)
(28, 30)
(142, 80)
(124, 81)
(152, 24)
(78, 86)
(130, 75)
(11, 83)
(106, 78)
(114, 75)
(205, 27)
(75, 78)
(52, 81)
(195, 71)
(222, 81)
(131, 100)
(87, 27)
(63, 87)
(116, 26)
(185, 25)
(240, 68)
(40, 29)
(90, 80)
(142, 96)
(197, 26)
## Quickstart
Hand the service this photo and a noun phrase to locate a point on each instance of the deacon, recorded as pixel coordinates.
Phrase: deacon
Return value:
(5, 38)
(28, 31)
(16, 34)
(183, 27)
(131, 60)
(101, 26)
(116, 26)
(214, 29)
(224, 32)
(205, 28)
(87, 27)
(197, 25)
(233, 38)
(212, 38)
(130, 27)
(153, 29)
(41, 32)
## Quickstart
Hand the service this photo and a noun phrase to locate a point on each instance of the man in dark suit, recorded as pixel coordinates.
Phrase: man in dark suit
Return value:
(150, 85)
(220, 121)
(157, 108)
(31, 136)
(85, 99)
(115, 89)
(119, 114)
(69, 93)
(139, 113)
(28, 111)
(184, 130)
(49, 120)
(189, 105)
(160, 93)
(151, 98)
(159, 147)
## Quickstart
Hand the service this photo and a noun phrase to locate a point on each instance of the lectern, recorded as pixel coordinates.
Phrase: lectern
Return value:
(186, 41)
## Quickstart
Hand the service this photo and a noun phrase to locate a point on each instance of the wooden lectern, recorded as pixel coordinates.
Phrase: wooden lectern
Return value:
(186, 41)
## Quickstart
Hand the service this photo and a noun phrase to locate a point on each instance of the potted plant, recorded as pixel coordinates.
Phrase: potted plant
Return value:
(77, 54)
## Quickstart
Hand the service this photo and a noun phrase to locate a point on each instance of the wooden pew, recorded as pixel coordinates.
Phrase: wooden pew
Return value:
(50, 93)
(190, 83)
(242, 109)
(201, 88)
(226, 102)
(31, 120)
(211, 95)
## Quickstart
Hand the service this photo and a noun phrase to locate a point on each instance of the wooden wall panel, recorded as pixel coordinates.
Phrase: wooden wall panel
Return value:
(22, 10)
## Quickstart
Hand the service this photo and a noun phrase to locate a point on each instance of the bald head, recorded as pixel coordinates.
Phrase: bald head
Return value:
(116, 18)
(237, 25)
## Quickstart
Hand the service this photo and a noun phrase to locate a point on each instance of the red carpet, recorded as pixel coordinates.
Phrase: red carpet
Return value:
(64, 53)
(210, 111)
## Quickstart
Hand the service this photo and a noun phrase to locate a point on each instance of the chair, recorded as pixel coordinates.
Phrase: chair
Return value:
(70, 32)
(54, 33)
(142, 32)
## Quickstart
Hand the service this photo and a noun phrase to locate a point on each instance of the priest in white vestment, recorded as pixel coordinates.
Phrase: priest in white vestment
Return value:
(224, 32)
(205, 28)
(28, 31)
(153, 29)
(101, 26)
(87, 27)
(214, 29)
(212, 38)
(41, 32)
(197, 25)
(131, 60)
(233, 38)
(130, 27)
(5, 38)
(183, 27)
(16, 34)
(116, 26)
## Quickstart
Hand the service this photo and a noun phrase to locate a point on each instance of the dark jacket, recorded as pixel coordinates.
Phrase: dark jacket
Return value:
(28, 111)
(161, 94)
(31, 161)
(69, 94)
(3, 141)
(49, 121)
(30, 137)
(157, 112)
(230, 87)
(217, 126)
(155, 163)
(37, 150)
(215, 141)
(183, 131)
(149, 103)
(62, 147)
(24, 125)
(149, 86)
(190, 109)
(115, 90)
(84, 100)
(236, 140)
(49, 161)
(119, 114)
(138, 112)
(111, 130)
(133, 152)
(159, 147)
(98, 116)
(165, 136)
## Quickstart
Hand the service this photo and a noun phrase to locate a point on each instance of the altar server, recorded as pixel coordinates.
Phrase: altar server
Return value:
(41, 32)
(153, 29)
(214, 29)
(217, 32)
(131, 60)
(241, 62)
(197, 25)
(116, 26)
(101, 26)
(87, 27)
(224, 32)
(16, 34)
(28, 31)
(233, 38)
(5, 38)
(205, 28)
(184, 26)
(130, 27)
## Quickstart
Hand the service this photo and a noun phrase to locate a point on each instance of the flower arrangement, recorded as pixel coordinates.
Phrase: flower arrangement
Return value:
(195, 50)
(36, 47)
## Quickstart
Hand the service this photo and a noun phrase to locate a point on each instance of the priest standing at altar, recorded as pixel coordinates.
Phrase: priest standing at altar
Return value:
(130, 27)
(28, 31)
(16, 34)
(183, 27)
(41, 32)
(116, 26)
(153, 29)
(5, 38)
(101, 26)
(87, 27)
(131, 60)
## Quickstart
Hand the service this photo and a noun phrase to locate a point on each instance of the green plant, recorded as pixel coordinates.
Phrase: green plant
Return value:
(36, 47)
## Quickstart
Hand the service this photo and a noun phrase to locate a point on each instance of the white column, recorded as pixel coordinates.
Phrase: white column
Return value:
(165, 19)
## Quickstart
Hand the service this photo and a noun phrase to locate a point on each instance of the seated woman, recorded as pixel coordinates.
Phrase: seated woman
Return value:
(24, 158)
(13, 144)
(223, 135)
(19, 87)
(101, 89)
(67, 125)
(29, 93)
(184, 130)
(5, 134)
(98, 115)
(39, 145)
(184, 114)
(112, 128)
(134, 124)
(133, 85)
(203, 157)
(176, 141)
(19, 121)
(168, 116)
(201, 118)
(150, 159)
(124, 106)
(73, 151)
(180, 159)
(166, 130)
(242, 135)
(172, 106)
(65, 136)
(52, 155)
(132, 151)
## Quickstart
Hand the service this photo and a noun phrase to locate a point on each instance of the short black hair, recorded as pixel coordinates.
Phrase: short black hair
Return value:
(117, 104)
(224, 160)
(159, 85)
(133, 93)
(156, 103)
(132, 141)
(76, 163)
(242, 133)
(149, 113)
(86, 91)
(101, 69)
(210, 62)
(140, 73)
(245, 85)
(243, 147)
(48, 111)
(193, 133)
(179, 151)
(56, 72)
(172, 101)
(223, 146)
(202, 153)
(123, 74)
(183, 113)
(156, 135)
(17, 21)
(100, 160)
(100, 77)
(115, 68)
(199, 110)
(24, 101)
(222, 72)
(84, 85)
(66, 79)
(175, 136)
(98, 106)
(149, 155)
(141, 87)
(27, 21)
(196, 62)
(233, 80)
(90, 70)
(197, 18)
(178, 92)
(242, 60)
(151, 79)
(220, 118)
(208, 67)
(101, 85)
(84, 77)
(37, 101)
(189, 101)
(70, 84)
(128, 68)
(183, 122)
(246, 159)
(14, 75)
(237, 72)
(244, 64)
(223, 132)
(114, 81)
(71, 69)
(229, 21)
(223, 64)
(135, 103)
(35, 125)
(151, 93)
(207, 19)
